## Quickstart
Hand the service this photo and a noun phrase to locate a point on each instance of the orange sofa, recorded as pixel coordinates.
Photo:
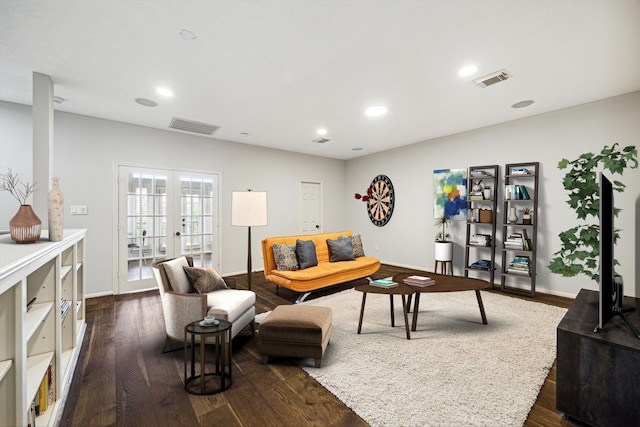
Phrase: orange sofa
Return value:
(325, 274)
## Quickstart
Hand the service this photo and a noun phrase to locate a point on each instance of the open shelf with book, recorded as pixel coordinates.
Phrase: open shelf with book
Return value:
(520, 228)
(39, 347)
(480, 243)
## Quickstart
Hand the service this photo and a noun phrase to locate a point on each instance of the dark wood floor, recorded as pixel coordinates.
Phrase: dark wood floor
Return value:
(123, 379)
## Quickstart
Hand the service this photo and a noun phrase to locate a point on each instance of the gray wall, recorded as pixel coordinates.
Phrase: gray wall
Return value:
(86, 150)
(547, 138)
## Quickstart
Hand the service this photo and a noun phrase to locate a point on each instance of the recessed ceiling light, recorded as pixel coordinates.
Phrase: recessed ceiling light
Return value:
(245, 134)
(356, 149)
(164, 91)
(376, 110)
(187, 35)
(467, 71)
(58, 99)
(523, 104)
(321, 131)
(146, 102)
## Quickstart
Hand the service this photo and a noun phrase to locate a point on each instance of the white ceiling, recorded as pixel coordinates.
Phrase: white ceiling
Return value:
(278, 70)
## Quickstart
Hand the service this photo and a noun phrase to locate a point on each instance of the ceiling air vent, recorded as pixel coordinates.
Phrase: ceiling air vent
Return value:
(191, 126)
(320, 140)
(491, 79)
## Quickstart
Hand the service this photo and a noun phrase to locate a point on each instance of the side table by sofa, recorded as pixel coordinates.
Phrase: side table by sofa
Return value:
(220, 335)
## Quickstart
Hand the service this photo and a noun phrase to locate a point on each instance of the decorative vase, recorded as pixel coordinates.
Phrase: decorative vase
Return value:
(444, 251)
(25, 225)
(486, 193)
(513, 216)
(56, 211)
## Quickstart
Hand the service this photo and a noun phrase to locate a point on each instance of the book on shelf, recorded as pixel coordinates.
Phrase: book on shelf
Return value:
(523, 192)
(520, 265)
(419, 281)
(480, 240)
(64, 307)
(481, 264)
(519, 171)
(514, 241)
(480, 173)
(525, 240)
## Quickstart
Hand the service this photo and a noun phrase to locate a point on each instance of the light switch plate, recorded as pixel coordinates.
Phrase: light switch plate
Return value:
(78, 210)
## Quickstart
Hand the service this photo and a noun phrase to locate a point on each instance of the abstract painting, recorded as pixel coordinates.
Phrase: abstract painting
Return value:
(450, 193)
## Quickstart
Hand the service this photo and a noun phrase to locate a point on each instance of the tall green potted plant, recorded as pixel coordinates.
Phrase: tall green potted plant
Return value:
(579, 252)
(444, 248)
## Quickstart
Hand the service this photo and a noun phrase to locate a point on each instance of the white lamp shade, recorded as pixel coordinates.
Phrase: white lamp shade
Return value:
(248, 208)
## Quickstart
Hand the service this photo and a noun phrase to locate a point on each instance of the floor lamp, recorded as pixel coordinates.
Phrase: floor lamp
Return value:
(248, 209)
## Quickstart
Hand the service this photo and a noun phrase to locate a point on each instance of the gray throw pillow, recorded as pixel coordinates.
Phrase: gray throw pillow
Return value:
(341, 249)
(358, 249)
(306, 252)
(178, 279)
(205, 279)
(285, 257)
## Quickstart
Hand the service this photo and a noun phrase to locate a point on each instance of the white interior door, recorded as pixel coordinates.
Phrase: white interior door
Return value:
(164, 214)
(310, 207)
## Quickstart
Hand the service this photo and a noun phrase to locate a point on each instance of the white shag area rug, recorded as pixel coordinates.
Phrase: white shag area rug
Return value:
(454, 371)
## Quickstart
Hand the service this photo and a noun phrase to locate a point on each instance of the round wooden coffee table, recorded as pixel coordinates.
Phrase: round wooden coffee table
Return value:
(444, 283)
(401, 290)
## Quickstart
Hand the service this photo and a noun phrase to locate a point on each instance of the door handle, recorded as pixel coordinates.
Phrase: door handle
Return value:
(318, 227)
(177, 233)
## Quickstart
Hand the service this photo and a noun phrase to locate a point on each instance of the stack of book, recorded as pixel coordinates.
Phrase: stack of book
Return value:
(520, 265)
(419, 281)
(518, 241)
(519, 171)
(384, 283)
(480, 240)
(64, 307)
(481, 264)
(475, 195)
(477, 173)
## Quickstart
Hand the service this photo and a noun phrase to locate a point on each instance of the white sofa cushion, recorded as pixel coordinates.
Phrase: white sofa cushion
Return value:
(229, 304)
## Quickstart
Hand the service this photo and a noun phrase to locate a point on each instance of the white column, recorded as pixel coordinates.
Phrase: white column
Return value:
(42, 142)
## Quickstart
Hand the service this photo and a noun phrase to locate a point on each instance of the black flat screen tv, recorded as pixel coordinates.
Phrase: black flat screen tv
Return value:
(606, 251)
(611, 285)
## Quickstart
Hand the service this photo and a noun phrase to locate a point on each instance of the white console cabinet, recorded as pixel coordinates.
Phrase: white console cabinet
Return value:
(39, 339)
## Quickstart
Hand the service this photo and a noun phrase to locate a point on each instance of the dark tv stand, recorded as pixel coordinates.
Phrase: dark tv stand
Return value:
(617, 307)
(598, 373)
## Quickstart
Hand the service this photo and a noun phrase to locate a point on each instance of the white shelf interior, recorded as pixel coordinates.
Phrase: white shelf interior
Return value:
(5, 365)
(35, 315)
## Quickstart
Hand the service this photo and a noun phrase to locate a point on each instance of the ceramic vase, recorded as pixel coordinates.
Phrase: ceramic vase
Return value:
(513, 216)
(486, 193)
(25, 226)
(444, 251)
(56, 211)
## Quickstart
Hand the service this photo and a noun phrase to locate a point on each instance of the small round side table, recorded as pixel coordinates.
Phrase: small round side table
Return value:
(221, 334)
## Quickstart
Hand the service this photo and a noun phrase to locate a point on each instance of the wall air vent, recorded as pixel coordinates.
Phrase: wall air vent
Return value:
(320, 140)
(491, 79)
(194, 127)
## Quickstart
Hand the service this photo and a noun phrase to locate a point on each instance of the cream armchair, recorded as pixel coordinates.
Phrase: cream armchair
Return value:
(181, 304)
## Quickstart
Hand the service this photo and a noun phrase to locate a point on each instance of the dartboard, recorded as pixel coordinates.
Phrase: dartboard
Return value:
(381, 200)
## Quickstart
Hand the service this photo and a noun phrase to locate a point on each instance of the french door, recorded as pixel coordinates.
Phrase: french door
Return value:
(164, 214)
